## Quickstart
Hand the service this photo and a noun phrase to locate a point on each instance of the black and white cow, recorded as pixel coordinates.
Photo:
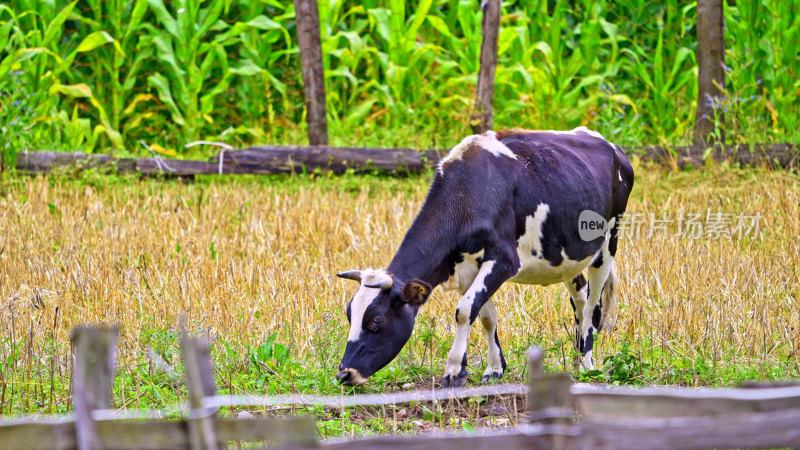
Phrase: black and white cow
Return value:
(503, 207)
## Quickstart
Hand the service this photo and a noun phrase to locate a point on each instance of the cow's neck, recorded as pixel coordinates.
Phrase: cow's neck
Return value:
(422, 261)
(429, 244)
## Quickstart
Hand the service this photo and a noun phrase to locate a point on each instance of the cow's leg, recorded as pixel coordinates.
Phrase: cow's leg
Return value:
(492, 273)
(577, 288)
(496, 363)
(602, 284)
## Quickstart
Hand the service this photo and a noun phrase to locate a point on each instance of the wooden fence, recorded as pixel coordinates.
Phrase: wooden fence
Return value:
(562, 414)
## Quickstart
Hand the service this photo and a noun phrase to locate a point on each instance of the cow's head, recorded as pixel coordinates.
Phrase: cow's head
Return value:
(381, 317)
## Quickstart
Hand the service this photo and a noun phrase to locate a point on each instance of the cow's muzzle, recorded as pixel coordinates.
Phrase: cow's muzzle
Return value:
(350, 377)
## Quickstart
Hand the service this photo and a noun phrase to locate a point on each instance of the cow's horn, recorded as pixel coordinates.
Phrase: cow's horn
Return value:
(383, 283)
(350, 275)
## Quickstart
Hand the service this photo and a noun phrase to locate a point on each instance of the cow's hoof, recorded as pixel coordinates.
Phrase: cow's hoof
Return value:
(457, 381)
(488, 376)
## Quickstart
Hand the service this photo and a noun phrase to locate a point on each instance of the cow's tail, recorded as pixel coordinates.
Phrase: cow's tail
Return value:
(609, 300)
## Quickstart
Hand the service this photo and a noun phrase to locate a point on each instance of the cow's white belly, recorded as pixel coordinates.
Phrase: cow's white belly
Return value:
(533, 267)
(537, 270)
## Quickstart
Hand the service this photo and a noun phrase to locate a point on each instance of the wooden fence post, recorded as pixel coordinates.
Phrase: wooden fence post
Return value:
(711, 71)
(549, 399)
(483, 117)
(199, 384)
(92, 379)
(307, 20)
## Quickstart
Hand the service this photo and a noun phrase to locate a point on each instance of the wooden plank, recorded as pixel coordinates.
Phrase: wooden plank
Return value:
(157, 434)
(548, 392)
(711, 71)
(612, 403)
(488, 441)
(338, 401)
(92, 379)
(308, 39)
(759, 430)
(42, 435)
(150, 434)
(482, 118)
(550, 402)
(195, 353)
(764, 429)
(297, 432)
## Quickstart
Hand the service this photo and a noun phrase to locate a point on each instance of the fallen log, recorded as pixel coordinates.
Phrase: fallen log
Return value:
(38, 162)
(770, 155)
(270, 159)
(290, 159)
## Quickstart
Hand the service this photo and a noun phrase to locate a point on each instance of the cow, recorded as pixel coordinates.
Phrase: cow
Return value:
(503, 206)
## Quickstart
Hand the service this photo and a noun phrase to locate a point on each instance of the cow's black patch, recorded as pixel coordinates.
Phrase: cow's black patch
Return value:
(597, 314)
(500, 349)
(477, 305)
(612, 242)
(598, 260)
(589, 342)
(579, 282)
(574, 310)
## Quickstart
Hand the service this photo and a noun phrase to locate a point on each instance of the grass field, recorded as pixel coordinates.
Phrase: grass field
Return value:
(252, 262)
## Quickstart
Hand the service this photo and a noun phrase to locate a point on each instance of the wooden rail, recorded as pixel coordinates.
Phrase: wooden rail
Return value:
(289, 159)
(563, 415)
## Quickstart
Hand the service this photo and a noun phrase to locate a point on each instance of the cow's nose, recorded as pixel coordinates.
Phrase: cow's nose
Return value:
(344, 377)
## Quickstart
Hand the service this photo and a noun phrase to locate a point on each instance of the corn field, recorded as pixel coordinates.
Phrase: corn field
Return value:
(97, 75)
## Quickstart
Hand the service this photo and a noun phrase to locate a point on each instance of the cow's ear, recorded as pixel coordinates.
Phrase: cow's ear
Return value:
(416, 292)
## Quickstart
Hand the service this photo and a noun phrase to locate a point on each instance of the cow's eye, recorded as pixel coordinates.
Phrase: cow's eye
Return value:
(375, 324)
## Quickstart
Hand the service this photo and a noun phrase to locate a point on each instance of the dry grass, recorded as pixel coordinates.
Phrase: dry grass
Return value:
(244, 259)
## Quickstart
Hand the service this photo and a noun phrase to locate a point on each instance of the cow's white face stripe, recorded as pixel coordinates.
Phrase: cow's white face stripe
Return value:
(488, 142)
(363, 298)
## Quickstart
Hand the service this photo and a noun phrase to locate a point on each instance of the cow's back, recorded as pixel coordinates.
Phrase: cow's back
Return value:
(558, 176)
